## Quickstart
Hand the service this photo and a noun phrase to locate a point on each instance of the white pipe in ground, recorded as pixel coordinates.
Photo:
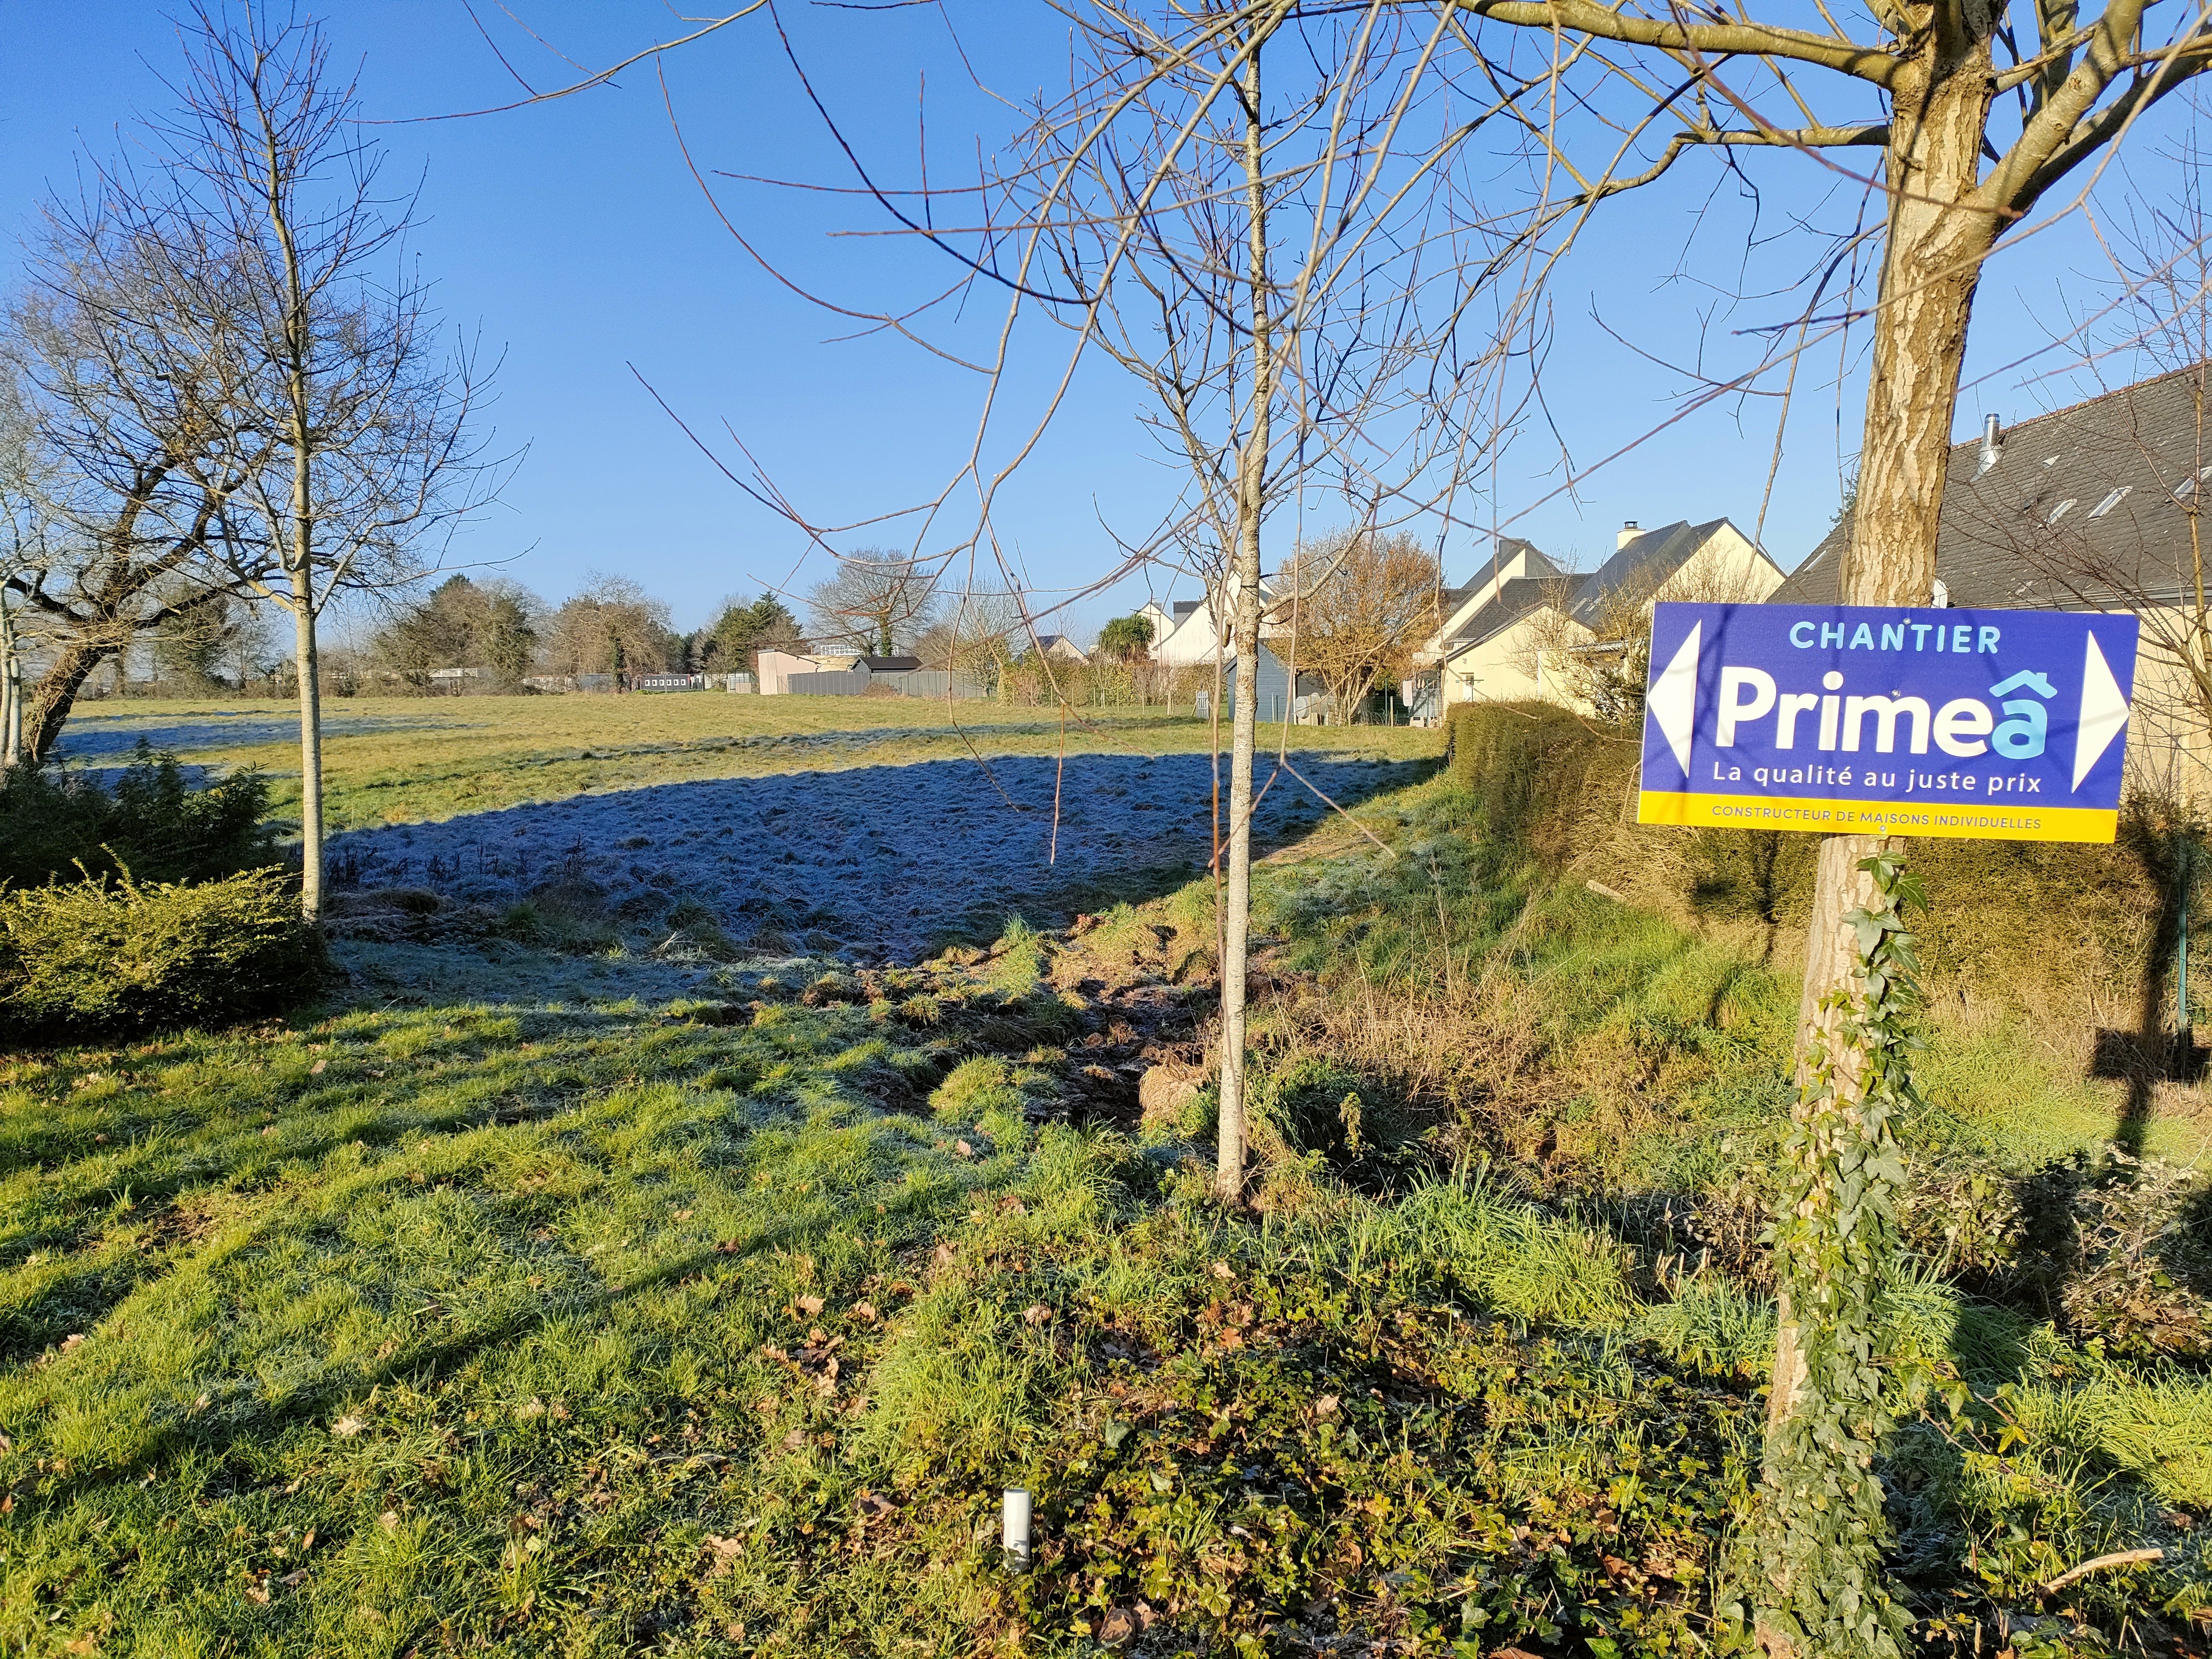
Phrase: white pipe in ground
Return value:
(1015, 1530)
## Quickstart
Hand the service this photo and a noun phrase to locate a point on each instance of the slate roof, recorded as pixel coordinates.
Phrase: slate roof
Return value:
(2089, 504)
(1641, 565)
(1514, 600)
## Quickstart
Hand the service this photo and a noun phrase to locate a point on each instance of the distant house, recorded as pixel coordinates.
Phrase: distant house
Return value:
(850, 674)
(1484, 649)
(1199, 638)
(1191, 636)
(1156, 613)
(2094, 506)
(1061, 647)
(1524, 628)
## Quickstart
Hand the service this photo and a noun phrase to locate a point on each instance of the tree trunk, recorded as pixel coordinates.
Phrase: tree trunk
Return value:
(45, 710)
(11, 696)
(1244, 576)
(1931, 263)
(1930, 266)
(301, 559)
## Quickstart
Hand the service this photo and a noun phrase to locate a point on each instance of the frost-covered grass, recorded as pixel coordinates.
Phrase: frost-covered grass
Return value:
(886, 860)
(405, 760)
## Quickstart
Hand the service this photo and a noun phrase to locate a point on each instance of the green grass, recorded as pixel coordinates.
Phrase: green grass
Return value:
(393, 760)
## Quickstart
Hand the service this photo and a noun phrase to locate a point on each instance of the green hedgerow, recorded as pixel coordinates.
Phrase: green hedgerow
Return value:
(104, 953)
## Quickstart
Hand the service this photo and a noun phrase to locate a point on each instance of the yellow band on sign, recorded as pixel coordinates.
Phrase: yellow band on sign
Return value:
(1836, 816)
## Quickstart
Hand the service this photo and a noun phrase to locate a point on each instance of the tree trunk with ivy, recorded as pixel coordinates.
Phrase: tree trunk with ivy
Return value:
(1821, 1532)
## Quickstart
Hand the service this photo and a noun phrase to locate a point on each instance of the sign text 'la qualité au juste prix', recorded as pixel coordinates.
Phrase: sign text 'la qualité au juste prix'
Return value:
(1999, 724)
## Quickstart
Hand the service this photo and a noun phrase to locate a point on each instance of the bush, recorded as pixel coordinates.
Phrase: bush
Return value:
(152, 823)
(120, 953)
(1533, 767)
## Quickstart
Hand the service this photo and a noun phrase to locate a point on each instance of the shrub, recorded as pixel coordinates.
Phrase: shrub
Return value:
(152, 823)
(119, 953)
(1534, 766)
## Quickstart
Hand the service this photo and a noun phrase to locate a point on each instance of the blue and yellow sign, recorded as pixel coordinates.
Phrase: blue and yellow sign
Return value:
(1998, 725)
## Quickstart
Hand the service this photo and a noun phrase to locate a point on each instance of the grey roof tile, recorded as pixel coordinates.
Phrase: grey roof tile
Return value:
(2089, 505)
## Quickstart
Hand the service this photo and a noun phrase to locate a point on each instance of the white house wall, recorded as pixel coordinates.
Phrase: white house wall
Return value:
(1506, 668)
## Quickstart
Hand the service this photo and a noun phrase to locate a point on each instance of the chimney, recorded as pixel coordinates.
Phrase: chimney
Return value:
(1993, 446)
(1629, 533)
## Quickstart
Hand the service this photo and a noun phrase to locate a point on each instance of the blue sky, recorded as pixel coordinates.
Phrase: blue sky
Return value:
(569, 237)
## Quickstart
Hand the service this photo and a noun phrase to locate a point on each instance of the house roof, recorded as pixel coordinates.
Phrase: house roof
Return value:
(1470, 610)
(889, 664)
(1511, 603)
(2089, 504)
(1641, 565)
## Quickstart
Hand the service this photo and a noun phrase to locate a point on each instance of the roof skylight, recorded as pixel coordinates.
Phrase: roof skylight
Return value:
(2111, 501)
(2060, 511)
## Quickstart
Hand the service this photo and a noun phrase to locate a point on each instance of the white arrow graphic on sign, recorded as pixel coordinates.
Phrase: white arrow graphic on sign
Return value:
(1672, 699)
(2104, 713)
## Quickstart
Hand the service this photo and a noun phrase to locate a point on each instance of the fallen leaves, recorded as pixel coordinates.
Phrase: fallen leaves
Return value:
(347, 1427)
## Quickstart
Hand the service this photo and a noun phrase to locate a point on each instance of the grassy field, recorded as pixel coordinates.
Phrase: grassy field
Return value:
(529, 1302)
(393, 760)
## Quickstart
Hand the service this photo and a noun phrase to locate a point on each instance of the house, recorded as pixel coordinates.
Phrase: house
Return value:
(776, 669)
(1062, 647)
(1199, 636)
(1156, 613)
(1524, 628)
(849, 674)
(1192, 636)
(1278, 700)
(1484, 649)
(1201, 628)
(2094, 506)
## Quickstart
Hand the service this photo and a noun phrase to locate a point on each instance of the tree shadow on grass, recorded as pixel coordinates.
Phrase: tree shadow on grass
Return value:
(883, 860)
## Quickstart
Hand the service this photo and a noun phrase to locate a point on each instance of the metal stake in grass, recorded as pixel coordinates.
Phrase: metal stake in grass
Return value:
(1015, 1527)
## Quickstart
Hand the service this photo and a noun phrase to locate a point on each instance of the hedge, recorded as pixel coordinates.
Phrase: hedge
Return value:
(2029, 921)
(110, 953)
(150, 820)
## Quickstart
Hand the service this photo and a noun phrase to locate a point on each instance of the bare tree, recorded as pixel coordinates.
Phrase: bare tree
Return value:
(1260, 262)
(2141, 549)
(129, 457)
(613, 627)
(875, 602)
(268, 196)
(979, 634)
(1975, 126)
(24, 557)
(1371, 600)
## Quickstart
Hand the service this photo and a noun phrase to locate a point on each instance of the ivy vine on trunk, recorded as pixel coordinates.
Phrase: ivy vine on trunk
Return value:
(1822, 1590)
